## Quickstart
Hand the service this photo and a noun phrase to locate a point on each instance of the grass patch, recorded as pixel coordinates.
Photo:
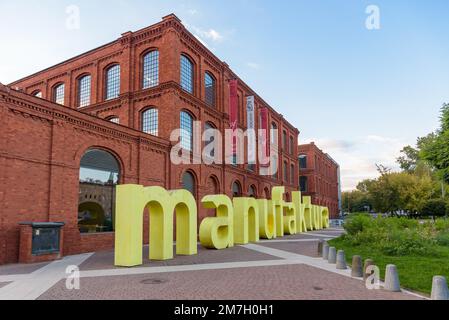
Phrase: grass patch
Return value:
(419, 250)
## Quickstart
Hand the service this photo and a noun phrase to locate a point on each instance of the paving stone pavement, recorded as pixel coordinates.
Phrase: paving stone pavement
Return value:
(282, 269)
(289, 282)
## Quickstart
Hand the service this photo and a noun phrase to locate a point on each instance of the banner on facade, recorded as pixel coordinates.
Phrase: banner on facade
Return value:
(264, 138)
(251, 132)
(233, 112)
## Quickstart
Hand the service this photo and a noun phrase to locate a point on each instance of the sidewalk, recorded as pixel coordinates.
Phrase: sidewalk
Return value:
(286, 269)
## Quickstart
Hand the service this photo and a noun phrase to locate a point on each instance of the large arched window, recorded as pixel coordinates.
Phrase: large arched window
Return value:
(113, 82)
(252, 191)
(99, 175)
(150, 68)
(186, 74)
(186, 131)
(150, 121)
(84, 87)
(188, 182)
(58, 93)
(209, 85)
(236, 189)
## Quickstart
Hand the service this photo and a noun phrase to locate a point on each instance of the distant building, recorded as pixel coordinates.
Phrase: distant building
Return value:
(319, 177)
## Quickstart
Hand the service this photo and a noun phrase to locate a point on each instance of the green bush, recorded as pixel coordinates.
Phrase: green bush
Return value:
(397, 236)
(434, 208)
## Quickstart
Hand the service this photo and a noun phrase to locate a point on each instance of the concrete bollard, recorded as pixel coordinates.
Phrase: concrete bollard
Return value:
(332, 258)
(325, 251)
(439, 288)
(357, 271)
(368, 262)
(392, 279)
(341, 260)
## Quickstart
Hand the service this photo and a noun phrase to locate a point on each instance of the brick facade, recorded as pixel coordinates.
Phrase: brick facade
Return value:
(322, 178)
(43, 142)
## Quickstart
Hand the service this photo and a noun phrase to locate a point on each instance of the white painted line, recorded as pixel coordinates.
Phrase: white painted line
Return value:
(319, 235)
(38, 282)
(290, 240)
(13, 277)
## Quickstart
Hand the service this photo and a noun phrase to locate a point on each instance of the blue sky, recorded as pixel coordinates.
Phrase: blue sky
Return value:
(360, 94)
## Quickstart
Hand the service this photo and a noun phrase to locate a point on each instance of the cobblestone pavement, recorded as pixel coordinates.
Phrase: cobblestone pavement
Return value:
(290, 282)
(282, 269)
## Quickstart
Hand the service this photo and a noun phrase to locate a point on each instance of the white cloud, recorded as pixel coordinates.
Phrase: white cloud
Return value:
(205, 35)
(192, 11)
(358, 157)
(253, 65)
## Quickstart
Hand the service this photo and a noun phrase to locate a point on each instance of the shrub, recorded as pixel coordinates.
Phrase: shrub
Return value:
(443, 239)
(434, 208)
(357, 223)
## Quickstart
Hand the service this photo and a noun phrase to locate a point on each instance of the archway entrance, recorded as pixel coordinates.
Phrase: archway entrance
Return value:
(99, 176)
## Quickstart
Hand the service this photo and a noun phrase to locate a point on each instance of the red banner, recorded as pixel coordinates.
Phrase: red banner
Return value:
(233, 111)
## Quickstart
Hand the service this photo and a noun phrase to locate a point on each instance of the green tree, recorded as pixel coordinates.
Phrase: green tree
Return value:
(394, 192)
(436, 150)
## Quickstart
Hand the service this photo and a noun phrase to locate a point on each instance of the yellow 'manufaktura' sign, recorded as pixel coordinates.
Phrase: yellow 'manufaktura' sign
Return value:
(237, 221)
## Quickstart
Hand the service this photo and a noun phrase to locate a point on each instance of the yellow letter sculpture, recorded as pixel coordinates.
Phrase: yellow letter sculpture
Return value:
(325, 217)
(307, 205)
(130, 205)
(289, 219)
(300, 220)
(246, 220)
(276, 205)
(316, 217)
(266, 220)
(218, 232)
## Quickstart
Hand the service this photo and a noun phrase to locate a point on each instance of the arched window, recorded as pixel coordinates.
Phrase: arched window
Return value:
(186, 74)
(114, 120)
(267, 193)
(303, 184)
(252, 191)
(274, 134)
(150, 121)
(303, 161)
(285, 171)
(58, 93)
(186, 131)
(99, 175)
(284, 141)
(292, 145)
(37, 94)
(113, 82)
(208, 127)
(84, 85)
(150, 68)
(209, 85)
(236, 189)
(188, 182)
(292, 174)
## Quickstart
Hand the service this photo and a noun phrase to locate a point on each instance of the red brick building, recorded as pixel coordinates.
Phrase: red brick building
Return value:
(70, 133)
(319, 177)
